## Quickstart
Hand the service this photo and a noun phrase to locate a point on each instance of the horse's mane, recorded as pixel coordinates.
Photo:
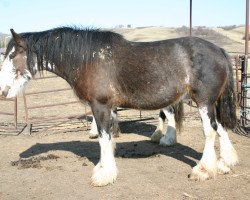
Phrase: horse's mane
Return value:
(66, 47)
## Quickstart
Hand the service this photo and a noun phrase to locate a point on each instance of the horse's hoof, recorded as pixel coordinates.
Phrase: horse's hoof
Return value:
(168, 141)
(156, 136)
(199, 173)
(230, 157)
(93, 136)
(103, 176)
(222, 167)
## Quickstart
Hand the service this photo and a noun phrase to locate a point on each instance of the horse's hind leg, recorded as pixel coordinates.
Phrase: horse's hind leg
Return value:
(207, 166)
(228, 155)
(158, 134)
(170, 137)
(105, 171)
(115, 123)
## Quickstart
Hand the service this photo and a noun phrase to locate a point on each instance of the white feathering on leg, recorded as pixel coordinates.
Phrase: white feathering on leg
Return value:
(158, 134)
(207, 167)
(105, 172)
(170, 137)
(228, 155)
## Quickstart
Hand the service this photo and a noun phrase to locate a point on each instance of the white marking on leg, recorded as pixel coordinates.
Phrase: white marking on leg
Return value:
(170, 137)
(105, 172)
(158, 134)
(207, 165)
(93, 133)
(228, 155)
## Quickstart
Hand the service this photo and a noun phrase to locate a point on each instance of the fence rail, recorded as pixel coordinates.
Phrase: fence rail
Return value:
(58, 118)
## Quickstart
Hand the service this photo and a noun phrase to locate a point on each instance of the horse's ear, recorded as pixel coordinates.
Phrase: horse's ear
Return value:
(19, 40)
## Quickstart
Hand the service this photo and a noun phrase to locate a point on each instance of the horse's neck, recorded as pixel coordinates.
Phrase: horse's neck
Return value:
(61, 73)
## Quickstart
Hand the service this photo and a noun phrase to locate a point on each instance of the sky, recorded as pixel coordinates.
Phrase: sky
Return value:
(38, 15)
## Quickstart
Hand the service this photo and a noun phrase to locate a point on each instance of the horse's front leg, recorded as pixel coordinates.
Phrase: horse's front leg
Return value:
(93, 133)
(105, 172)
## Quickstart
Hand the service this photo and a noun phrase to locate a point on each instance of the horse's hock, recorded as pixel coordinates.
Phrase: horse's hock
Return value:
(47, 103)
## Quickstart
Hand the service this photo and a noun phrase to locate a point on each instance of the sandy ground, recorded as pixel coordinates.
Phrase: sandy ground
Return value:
(55, 165)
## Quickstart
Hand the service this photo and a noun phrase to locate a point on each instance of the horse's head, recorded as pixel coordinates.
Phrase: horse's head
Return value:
(14, 73)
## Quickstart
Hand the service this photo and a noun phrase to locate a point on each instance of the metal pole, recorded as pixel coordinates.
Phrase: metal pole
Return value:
(246, 27)
(190, 19)
(15, 113)
(247, 71)
(25, 109)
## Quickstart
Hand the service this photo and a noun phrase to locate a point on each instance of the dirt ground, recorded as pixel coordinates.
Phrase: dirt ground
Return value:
(58, 165)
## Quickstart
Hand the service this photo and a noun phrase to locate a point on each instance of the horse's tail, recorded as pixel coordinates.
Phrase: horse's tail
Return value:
(226, 105)
(178, 114)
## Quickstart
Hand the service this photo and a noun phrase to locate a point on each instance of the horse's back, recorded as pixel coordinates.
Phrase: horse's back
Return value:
(152, 75)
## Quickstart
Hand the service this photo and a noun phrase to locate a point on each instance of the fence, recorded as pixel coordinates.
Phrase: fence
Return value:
(44, 106)
(4, 126)
(245, 93)
(242, 85)
(62, 106)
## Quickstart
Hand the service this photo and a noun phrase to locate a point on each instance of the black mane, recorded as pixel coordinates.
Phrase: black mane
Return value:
(66, 47)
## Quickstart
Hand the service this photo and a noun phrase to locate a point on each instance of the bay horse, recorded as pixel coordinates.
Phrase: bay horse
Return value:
(107, 71)
(174, 114)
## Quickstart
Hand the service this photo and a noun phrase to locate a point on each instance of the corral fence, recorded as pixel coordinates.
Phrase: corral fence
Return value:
(44, 106)
(242, 85)
(9, 126)
(242, 89)
(52, 120)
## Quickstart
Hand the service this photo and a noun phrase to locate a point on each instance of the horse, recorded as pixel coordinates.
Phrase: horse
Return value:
(108, 71)
(173, 114)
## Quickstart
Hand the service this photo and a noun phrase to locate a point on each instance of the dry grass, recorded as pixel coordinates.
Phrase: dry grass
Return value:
(235, 34)
(231, 40)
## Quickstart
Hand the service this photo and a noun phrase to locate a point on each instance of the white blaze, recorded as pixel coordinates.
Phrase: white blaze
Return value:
(7, 73)
(9, 77)
(18, 85)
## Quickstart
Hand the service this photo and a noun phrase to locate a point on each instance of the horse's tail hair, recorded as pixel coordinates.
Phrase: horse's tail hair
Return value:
(178, 114)
(226, 105)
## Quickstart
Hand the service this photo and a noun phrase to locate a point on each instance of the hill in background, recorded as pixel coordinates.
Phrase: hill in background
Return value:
(230, 39)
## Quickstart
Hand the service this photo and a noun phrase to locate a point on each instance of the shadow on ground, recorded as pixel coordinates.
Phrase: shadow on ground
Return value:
(139, 149)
